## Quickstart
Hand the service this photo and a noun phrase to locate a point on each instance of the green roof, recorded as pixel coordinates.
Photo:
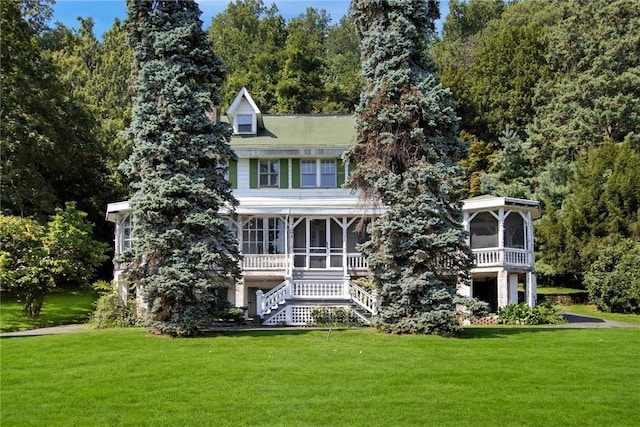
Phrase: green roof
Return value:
(299, 132)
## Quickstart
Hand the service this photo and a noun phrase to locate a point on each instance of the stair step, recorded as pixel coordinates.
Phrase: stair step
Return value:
(318, 275)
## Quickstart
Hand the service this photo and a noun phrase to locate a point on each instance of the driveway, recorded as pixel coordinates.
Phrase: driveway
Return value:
(581, 321)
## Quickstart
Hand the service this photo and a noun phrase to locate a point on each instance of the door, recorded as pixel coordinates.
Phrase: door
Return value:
(318, 247)
(318, 244)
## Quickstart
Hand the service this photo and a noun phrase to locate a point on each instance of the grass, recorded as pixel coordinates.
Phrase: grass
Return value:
(558, 290)
(592, 310)
(60, 308)
(490, 376)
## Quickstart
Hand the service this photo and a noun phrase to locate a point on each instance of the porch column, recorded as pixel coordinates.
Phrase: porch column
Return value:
(288, 244)
(467, 228)
(464, 288)
(513, 289)
(345, 260)
(531, 289)
(259, 308)
(240, 294)
(530, 244)
(501, 235)
(503, 285)
(122, 287)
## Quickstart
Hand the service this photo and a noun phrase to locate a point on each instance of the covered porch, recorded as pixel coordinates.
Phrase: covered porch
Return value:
(278, 245)
(501, 239)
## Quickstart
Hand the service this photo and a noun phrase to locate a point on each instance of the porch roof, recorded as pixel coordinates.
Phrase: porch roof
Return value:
(487, 202)
(321, 206)
(325, 206)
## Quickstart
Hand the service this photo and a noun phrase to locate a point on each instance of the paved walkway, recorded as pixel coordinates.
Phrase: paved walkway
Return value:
(580, 321)
(54, 330)
(576, 321)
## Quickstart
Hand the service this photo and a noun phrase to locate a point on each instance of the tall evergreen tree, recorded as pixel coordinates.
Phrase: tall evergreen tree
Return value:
(405, 155)
(184, 256)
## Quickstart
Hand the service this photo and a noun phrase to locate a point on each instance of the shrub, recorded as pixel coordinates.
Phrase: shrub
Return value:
(613, 280)
(338, 316)
(110, 311)
(235, 315)
(521, 314)
(365, 283)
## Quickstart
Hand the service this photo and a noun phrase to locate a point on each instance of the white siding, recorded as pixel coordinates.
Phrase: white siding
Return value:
(243, 174)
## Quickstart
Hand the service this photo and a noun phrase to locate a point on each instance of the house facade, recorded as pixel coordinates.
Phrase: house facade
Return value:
(297, 228)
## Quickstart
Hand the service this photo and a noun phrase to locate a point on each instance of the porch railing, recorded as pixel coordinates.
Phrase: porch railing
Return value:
(314, 289)
(264, 262)
(495, 257)
(356, 261)
(366, 300)
(270, 300)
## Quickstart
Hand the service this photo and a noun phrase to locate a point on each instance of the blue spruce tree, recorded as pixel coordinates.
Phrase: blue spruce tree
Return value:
(184, 256)
(405, 157)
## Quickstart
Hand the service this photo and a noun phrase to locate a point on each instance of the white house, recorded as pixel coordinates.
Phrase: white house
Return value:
(298, 228)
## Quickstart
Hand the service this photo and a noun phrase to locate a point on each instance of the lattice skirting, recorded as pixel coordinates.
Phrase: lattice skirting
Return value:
(293, 315)
(489, 320)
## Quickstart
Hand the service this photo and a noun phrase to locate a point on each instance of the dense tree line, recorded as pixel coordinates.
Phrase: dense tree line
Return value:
(549, 95)
(547, 92)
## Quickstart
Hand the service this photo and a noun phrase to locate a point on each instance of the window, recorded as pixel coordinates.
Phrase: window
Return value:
(328, 173)
(269, 173)
(318, 173)
(514, 231)
(127, 233)
(244, 123)
(263, 236)
(275, 236)
(253, 236)
(308, 172)
(484, 231)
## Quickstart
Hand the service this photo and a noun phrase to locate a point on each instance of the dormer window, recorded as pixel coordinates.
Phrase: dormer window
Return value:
(244, 114)
(244, 123)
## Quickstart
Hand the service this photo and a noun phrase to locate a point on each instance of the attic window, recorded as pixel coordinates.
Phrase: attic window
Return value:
(245, 123)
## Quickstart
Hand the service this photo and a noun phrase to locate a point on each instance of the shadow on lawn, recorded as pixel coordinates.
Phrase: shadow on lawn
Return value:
(467, 333)
(266, 331)
(506, 331)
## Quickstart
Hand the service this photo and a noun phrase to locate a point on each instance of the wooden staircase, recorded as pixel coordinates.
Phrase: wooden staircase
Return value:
(291, 302)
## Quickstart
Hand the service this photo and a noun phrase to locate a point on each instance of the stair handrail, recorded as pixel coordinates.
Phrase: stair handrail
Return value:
(270, 300)
(366, 300)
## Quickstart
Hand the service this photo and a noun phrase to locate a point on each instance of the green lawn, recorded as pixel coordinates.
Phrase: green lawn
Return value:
(490, 376)
(59, 308)
(558, 290)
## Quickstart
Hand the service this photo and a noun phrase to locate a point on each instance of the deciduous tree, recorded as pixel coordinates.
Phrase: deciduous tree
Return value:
(49, 152)
(34, 258)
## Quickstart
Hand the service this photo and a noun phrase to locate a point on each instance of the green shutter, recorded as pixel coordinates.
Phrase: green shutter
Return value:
(233, 174)
(284, 173)
(340, 174)
(253, 173)
(295, 173)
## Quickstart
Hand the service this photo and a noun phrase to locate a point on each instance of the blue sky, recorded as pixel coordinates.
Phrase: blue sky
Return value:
(104, 12)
